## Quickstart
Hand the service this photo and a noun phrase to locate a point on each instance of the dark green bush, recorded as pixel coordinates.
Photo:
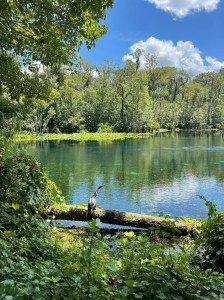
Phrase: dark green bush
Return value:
(210, 241)
(26, 254)
(25, 190)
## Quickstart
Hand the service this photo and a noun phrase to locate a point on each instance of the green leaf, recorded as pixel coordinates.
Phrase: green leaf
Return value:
(8, 234)
(15, 206)
(129, 282)
(77, 266)
(129, 234)
(55, 279)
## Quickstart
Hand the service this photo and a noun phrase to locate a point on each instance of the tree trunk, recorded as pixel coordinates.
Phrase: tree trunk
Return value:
(80, 213)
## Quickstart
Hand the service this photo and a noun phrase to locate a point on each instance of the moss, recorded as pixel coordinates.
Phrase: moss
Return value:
(191, 221)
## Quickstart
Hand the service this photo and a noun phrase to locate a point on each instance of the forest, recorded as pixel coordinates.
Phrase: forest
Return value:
(108, 98)
(46, 88)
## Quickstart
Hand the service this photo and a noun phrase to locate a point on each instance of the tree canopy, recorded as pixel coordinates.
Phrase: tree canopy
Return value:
(51, 30)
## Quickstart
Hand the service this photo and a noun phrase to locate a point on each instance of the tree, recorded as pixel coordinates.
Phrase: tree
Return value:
(213, 82)
(137, 56)
(150, 61)
(51, 30)
(122, 80)
(18, 92)
(157, 85)
(178, 81)
(106, 108)
(193, 107)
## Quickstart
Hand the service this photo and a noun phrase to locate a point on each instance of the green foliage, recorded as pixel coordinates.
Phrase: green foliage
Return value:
(43, 33)
(20, 93)
(80, 266)
(210, 242)
(153, 125)
(51, 31)
(25, 190)
(82, 136)
(104, 128)
(25, 195)
(161, 271)
(126, 98)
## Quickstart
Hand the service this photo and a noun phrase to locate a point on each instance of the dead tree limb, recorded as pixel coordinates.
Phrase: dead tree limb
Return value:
(80, 213)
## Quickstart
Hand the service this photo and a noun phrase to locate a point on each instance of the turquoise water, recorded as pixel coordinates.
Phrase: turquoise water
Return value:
(163, 173)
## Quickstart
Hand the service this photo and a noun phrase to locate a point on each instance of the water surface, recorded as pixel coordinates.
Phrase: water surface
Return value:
(163, 173)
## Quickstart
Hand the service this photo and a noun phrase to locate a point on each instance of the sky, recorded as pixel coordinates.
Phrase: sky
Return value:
(186, 34)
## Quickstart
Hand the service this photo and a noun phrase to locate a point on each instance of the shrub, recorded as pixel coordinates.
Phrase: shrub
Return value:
(153, 125)
(28, 259)
(105, 128)
(210, 242)
(25, 190)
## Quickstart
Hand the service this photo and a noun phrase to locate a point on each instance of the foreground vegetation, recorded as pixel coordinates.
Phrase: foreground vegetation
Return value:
(43, 262)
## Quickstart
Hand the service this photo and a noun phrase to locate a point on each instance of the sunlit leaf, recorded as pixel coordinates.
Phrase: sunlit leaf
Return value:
(15, 206)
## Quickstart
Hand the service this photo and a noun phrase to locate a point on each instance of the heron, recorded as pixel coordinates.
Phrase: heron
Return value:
(92, 204)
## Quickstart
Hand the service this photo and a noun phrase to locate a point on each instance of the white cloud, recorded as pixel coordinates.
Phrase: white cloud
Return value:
(214, 64)
(183, 55)
(181, 8)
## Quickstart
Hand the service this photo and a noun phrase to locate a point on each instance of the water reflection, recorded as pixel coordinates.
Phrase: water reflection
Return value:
(166, 173)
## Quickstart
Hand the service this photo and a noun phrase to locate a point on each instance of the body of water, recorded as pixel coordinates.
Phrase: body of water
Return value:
(162, 173)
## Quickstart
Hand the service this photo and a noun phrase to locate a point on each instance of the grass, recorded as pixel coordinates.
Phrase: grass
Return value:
(26, 137)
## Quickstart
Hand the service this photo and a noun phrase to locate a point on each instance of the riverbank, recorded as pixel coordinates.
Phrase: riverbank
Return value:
(101, 136)
(93, 136)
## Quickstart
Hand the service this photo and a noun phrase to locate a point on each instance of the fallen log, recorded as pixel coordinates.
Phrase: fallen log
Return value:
(80, 213)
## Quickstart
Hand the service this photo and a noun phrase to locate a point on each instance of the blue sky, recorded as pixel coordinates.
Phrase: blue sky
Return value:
(187, 34)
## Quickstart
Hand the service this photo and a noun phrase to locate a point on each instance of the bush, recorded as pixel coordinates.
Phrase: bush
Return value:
(153, 125)
(29, 260)
(25, 190)
(210, 242)
(105, 128)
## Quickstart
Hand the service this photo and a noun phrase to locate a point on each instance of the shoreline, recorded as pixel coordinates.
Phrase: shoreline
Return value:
(98, 136)
(93, 136)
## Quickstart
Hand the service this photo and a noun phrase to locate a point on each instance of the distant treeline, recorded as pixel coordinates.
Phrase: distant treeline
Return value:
(109, 98)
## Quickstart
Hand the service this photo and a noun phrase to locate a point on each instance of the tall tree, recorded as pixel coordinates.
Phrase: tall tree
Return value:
(214, 85)
(123, 77)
